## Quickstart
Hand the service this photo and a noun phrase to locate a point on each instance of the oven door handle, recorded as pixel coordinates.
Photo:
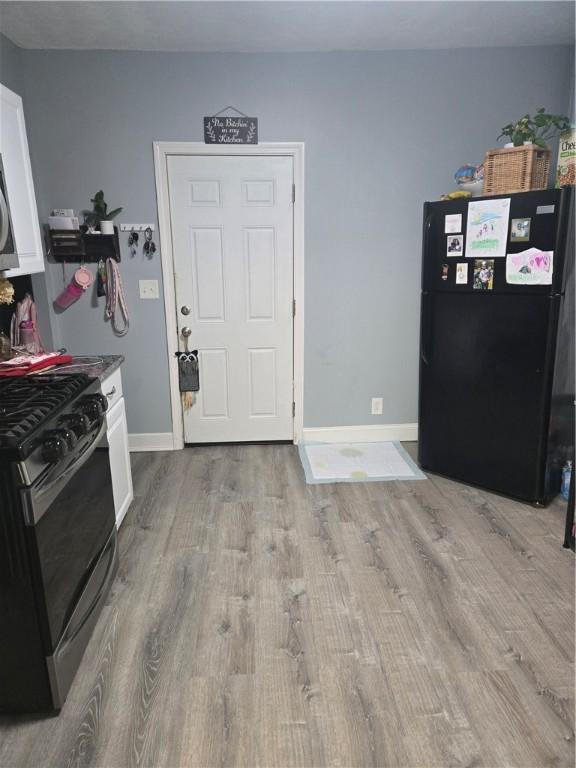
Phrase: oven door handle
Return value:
(30, 515)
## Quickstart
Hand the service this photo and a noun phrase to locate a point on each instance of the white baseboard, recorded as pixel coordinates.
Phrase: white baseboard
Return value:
(151, 441)
(367, 433)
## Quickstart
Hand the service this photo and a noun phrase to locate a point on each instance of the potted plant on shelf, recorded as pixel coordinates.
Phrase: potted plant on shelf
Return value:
(100, 215)
(524, 163)
(537, 129)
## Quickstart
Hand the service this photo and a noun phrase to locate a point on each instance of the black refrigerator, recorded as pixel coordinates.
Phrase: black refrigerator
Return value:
(496, 398)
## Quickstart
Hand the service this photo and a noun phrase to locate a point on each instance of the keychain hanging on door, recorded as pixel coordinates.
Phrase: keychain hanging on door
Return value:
(188, 373)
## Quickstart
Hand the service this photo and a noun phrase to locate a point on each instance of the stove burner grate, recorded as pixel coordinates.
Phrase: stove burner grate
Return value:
(27, 402)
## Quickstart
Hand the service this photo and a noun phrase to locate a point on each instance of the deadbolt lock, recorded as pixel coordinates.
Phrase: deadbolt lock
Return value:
(185, 309)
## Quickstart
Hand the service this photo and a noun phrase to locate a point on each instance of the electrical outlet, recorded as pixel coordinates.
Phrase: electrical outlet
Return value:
(377, 405)
(149, 289)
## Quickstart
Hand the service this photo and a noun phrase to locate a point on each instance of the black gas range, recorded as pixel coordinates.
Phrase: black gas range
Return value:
(58, 551)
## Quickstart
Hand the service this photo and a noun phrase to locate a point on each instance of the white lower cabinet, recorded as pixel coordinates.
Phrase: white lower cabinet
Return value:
(117, 436)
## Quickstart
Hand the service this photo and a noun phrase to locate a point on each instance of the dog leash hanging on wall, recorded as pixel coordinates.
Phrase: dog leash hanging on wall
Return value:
(115, 299)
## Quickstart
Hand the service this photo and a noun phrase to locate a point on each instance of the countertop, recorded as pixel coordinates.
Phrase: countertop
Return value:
(96, 366)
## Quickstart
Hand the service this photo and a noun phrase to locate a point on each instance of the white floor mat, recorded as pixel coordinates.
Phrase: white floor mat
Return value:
(357, 462)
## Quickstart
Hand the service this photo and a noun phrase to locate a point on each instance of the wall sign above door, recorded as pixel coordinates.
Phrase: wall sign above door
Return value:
(230, 129)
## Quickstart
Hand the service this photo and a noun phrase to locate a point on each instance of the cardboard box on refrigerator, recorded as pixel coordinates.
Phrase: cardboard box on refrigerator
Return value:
(566, 166)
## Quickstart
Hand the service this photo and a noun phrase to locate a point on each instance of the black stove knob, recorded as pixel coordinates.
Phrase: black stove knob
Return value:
(66, 434)
(92, 407)
(77, 422)
(102, 399)
(54, 447)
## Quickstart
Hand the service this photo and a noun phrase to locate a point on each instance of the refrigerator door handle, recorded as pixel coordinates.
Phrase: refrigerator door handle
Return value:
(425, 245)
(424, 328)
(427, 228)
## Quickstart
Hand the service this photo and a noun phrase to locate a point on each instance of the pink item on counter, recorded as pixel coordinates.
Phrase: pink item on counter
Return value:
(25, 364)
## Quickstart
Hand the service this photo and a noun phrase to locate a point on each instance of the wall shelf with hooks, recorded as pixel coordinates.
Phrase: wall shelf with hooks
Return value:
(76, 245)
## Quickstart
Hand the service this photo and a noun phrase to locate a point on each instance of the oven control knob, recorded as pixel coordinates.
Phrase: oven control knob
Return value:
(102, 399)
(66, 434)
(94, 406)
(77, 422)
(91, 409)
(54, 448)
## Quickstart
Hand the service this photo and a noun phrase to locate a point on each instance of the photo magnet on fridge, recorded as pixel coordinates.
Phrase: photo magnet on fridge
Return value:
(483, 274)
(452, 223)
(455, 245)
(462, 273)
(520, 231)
(445, 269)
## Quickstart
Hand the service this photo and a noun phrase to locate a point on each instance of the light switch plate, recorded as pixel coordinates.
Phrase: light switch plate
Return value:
(149, 289)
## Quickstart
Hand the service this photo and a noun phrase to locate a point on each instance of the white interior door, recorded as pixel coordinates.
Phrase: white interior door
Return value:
(232, 238)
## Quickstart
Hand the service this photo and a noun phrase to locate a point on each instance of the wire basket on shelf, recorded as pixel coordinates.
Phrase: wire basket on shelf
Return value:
(516, 169)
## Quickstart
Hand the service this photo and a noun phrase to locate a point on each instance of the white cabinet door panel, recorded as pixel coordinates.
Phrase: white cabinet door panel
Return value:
(19, 185)
(117, 435)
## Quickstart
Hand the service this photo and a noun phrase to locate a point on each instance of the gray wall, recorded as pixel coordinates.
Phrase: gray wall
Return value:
(10, 65)
(383, 131)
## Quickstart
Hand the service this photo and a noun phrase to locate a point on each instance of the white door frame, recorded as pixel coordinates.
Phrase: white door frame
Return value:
(164, 149)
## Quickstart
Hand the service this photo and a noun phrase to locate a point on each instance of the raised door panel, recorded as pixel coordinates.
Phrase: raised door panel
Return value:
(258, 192)
(213, 397)
(208, 274)
(19, 185)
(262, 382)
(205, 192)
(260, 263)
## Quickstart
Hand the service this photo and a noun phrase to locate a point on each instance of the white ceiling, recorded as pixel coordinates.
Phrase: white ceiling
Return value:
(276, 25)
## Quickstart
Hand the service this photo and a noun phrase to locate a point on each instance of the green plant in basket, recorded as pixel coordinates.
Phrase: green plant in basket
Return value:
(536, 129)
(100, 211)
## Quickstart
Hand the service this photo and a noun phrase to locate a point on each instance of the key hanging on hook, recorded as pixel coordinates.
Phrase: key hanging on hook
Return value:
(149, 246)
(133, 242)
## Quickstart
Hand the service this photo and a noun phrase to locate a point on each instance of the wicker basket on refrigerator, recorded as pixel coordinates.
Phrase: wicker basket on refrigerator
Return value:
(516, 169)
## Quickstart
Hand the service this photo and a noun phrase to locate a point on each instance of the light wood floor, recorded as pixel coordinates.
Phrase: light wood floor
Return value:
(257, 621)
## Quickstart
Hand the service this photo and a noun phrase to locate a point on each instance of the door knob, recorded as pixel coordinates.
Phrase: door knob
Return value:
(186, 331)
(185, 309)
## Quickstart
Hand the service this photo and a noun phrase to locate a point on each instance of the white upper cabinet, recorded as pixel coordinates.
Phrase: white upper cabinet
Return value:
(19, 185)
